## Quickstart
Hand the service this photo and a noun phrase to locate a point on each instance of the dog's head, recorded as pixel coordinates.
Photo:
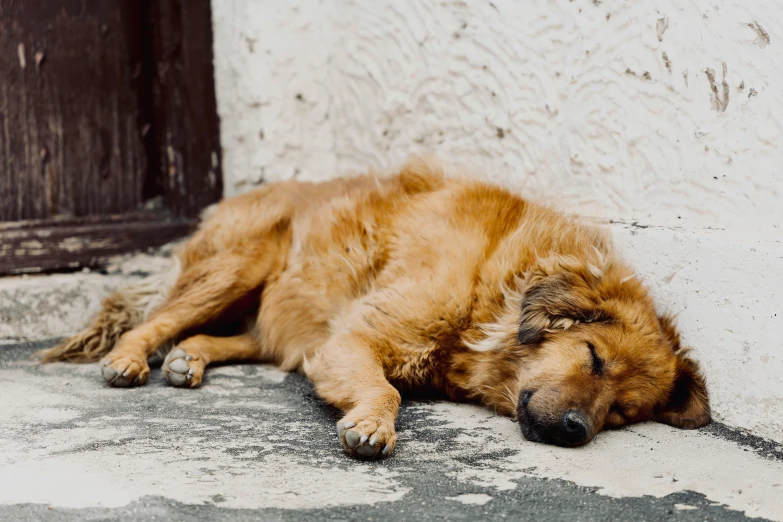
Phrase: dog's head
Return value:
(596, 355)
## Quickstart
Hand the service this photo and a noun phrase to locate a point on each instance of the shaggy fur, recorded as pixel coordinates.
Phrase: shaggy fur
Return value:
(374, 286)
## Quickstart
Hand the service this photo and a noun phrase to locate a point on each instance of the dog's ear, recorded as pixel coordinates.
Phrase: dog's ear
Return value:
(558, 294)
(688, 405)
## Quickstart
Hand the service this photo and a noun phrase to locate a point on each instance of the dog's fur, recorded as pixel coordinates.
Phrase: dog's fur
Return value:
(371, 286)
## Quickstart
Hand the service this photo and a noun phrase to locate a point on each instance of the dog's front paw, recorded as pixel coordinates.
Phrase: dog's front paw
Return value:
(183, 369)
(369, 437)
(124, 370)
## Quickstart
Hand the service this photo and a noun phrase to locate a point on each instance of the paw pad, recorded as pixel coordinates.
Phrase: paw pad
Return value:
(181, 370)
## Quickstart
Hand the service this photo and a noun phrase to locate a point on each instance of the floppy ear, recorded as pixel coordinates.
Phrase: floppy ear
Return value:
(688, 404)
(555, 301)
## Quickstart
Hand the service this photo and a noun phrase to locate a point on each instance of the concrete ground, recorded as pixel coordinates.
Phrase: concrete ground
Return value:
(256, 444)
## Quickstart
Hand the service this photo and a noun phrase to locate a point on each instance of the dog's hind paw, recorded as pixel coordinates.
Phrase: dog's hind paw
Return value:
(372, 437)
(123, 371)
(182, 369)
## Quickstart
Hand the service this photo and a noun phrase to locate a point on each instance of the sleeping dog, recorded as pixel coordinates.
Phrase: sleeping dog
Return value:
(371, 286)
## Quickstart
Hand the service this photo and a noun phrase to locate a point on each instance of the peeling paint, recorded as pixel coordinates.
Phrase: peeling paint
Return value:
(472, 498)
(718, 98)
(762, 37)
(660, 27)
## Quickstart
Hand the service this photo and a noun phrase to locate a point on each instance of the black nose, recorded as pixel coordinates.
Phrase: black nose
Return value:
(574, 427)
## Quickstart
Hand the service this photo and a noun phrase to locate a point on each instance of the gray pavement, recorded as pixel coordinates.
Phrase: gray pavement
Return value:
(256, 444)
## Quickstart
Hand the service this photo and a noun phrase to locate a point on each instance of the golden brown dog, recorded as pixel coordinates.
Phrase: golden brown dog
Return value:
(371, 286)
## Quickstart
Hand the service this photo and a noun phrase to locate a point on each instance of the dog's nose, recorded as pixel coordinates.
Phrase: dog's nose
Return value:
(574, 427)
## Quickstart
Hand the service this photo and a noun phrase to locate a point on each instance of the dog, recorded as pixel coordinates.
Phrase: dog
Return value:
(374, 286)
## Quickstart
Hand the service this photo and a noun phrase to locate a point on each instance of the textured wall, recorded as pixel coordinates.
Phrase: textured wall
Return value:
(662, 112)
(666, 111)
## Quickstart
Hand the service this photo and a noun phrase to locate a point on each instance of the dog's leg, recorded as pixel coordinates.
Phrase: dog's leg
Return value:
(348, 373)
(185, 364)
(203, 291)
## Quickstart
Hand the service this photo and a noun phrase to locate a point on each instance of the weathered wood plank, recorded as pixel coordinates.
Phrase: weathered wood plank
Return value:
(67, 244)
(106, 108)
(71, 121)
(185, 107)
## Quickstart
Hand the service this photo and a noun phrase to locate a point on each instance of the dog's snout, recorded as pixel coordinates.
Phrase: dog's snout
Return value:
(570, 428)
(574, 427)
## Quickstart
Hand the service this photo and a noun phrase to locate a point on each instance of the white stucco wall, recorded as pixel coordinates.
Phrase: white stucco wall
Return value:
(664, 113)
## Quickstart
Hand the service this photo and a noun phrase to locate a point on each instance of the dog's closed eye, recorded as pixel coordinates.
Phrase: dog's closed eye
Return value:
(598, 363)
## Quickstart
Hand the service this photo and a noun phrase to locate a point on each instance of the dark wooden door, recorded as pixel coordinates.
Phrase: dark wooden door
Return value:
(108, 128)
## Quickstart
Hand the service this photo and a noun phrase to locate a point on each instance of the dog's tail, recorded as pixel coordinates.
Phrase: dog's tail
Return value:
(123, 310)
